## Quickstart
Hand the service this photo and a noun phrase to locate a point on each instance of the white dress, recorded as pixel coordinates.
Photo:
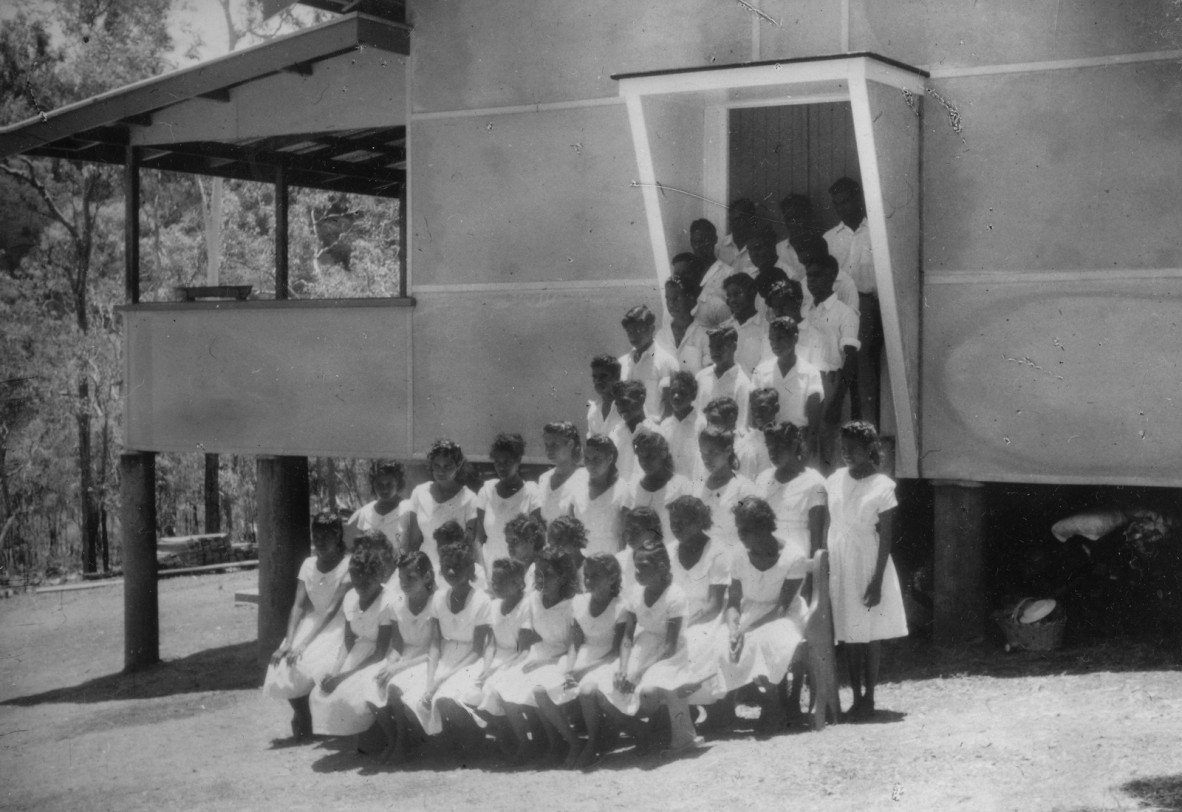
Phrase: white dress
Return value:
(682, 436)
(458, 633)
(506, 628)
(854, 506)
(658, 500)
(712, 569)
(285, 681)
(645, 670)
(410, 684)
(722, 506)
(432, 515)
(366, 518)
(346, 710)
(498, 512)
(601, 517)
(768, 650)
(751, 449)
(792, 501)
(515, 684)
(599, 633)
(556, 501)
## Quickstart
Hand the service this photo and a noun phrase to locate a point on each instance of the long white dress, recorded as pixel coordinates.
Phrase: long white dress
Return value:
(792, 501)
(767, 651)
(712, 569)
(346, 710)
(516, 683)
(366, 518)
(285, 681)
(556, 501)
(645, 670)
(658, 500)
(722, 503)
(854, 507)
(506, 627)
(599, 633)
(410, 684)
(498, 512)
(601, 517)
(458, 633)
(432, 515)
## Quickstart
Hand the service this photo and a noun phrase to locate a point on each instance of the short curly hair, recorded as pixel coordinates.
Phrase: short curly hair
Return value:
(365, 563)
(566, 531)
(692, 507)
(456, 555)
(754, 514)
(645, 520)
(506, 570)
(604, 564)
(511, 444)
(418, 564)
(448, 533)
(445, 448)
(656, 551)
(564, 566)
(388, 468)
(527, 528)
(567, 431)
(863, 432)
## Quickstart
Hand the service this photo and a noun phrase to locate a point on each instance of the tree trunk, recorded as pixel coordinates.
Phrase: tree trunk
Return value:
(213, 511)
(85, 485)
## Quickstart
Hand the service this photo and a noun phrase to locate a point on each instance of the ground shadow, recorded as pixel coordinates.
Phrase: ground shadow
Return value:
(229, 668)
(1162, 791)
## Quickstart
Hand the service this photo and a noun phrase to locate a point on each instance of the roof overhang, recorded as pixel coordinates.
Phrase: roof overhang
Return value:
(328, 104)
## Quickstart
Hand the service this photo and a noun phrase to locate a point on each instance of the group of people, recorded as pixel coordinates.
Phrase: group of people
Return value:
(657, 568)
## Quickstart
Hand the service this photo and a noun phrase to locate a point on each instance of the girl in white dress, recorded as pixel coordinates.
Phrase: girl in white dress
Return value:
(398, 683)
(340, 703)
(503, 498)
(567, 535)
(653, 665)
(702, 569)
(442, 499)
(464, 619)
(764, 613)
(387, 513)
(597, 628)
(598, 505)
(315, 628)
(867, 601)
(640, 525)
(795, 492)
(750, 446)
(722, 488)
(526, 536)
(557, 487)
(546, 635)
(656, 484)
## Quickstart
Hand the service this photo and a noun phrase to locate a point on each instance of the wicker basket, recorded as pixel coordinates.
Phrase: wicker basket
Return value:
(1045, 635)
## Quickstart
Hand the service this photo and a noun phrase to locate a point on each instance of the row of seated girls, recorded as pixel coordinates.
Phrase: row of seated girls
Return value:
(588, 604)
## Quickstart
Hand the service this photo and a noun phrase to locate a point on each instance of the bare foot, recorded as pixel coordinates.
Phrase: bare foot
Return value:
(588, 758)
(572, 756)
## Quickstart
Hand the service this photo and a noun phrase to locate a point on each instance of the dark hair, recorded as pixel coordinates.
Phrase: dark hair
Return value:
(633, 390)
(826, 262)
(566, 531)
(512, 444)
(649, 439)
(847, 186)
(809, 247)
(457, 555)
(418, 564)
(764, 397)
(693, 506)
(720, 437)
(798, 203)
(373, 540)
(785, 326)
(644, 519)
(448, 533)
(783, 432)
(739, 280)
(608, 362)
(565, 566)
(784, 289)
(604, 564)
(864, 433)
(726, 409)
(763, 231)
(446, 448)
(702, 224)
(366, 562)
(656, 551)
(742, 206)
(504, 569)
(328, 522)
(685, 378)
(601, 442)
(388, 468)
(755, 514)
(725, 332)
(568, 431)
(640, 314)
(689, 287)
(527, 528)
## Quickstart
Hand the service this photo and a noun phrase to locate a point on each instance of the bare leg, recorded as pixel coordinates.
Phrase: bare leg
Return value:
(301, 718)
(792, 708)
(855, 656)
(593, 717)
(557, 727)
(636, 728)
(515, 716)
(385, 720)
(873, 660)
(772, 719)
(681, 722)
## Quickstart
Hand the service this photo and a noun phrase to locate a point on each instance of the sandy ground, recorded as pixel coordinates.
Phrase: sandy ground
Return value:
(1093, 728)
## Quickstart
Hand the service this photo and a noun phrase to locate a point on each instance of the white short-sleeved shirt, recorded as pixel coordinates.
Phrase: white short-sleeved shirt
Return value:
(364, 623)
(754, 347)
(751, 450)
(322, 586)
(722, 503)
(498, 512)
(460, 627)
(712, 310)
(599, 631)
(738, 258)
(712, 569)
(682, 437)
(556, 502)
(843, 287)
(654, 619)
(653, 369)
(506, 626)
(733, 383)
(366, 518)
(761, 588)
(415, 630)
(794, 388)
(551, 624)
(596, 422)
(790, 262)
(693, 352)
(658, 500)
(792, 501)
(622, 436)
(601, 516)
(828, 329)
(851, 248)
(432, 515)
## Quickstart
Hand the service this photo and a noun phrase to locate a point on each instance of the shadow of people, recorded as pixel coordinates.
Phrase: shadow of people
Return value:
(1160, 792)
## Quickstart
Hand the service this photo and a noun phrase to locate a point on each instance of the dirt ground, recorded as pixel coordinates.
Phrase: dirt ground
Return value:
(1085, 728)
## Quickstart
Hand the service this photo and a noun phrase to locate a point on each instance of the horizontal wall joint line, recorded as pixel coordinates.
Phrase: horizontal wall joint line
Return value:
(540, 107)
(559, 286)
(1007, 277)
(1113, 60)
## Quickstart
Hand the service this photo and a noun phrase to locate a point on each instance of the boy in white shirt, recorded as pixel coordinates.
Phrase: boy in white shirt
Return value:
(629, 397)
(830, 343)
(602, 415)
(750, 326)
(711, 310)
(796, 381)
(647, 362)
(724, 378)
(681, 429)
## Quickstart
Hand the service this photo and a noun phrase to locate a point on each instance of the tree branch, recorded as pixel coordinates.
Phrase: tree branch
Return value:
(31, 179)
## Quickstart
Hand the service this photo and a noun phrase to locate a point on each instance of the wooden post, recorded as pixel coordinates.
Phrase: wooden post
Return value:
(282, 496)
(131, 225)
(213, 501)
(960, 561)
(282, 282)
(141, 617)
